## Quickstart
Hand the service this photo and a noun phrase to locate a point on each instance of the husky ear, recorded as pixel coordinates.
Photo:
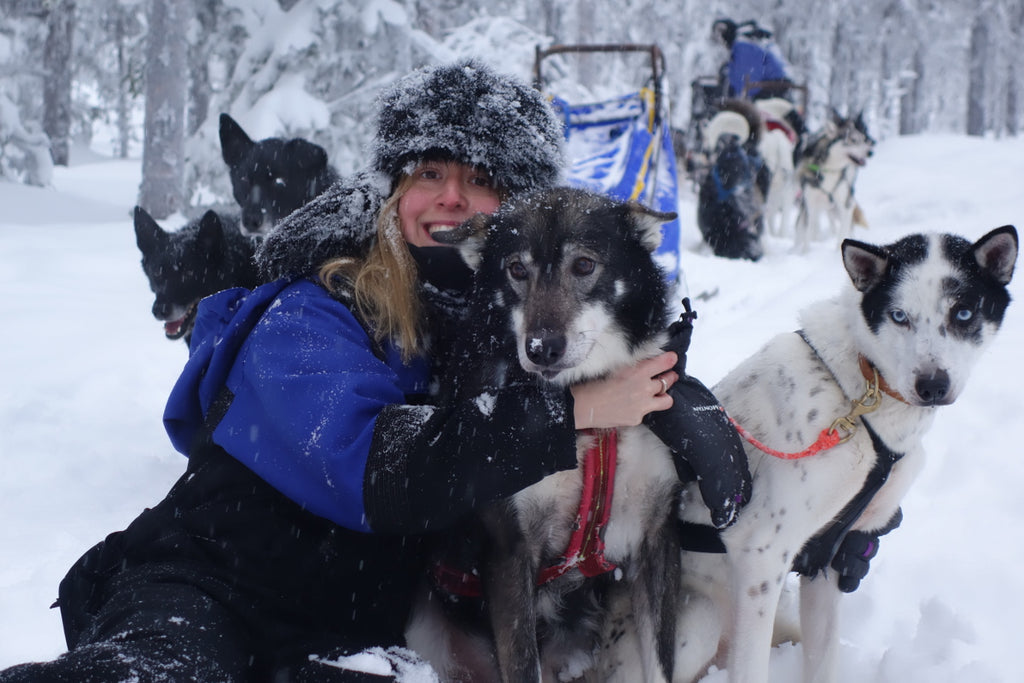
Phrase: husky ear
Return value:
(307, 155)
(234, 142)
(648, 224)
(865, 263)
(149, 236)
(996, 253)
(468, 238)
(211, 235)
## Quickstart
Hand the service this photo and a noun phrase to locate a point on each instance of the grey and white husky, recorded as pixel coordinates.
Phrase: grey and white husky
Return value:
(896, 345)
(567, 279)
(827, 174)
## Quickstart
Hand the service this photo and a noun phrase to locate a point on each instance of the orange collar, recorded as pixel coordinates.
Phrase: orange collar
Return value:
(868, 371)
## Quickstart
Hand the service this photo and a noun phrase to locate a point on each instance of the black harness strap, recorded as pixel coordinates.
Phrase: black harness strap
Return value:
(699, 538)
(818, 552)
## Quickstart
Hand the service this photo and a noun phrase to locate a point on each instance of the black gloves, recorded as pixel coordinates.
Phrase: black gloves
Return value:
(855, 553)
(705, 445)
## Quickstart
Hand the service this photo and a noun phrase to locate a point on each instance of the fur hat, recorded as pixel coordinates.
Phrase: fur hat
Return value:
(465, 112)
(340, 222)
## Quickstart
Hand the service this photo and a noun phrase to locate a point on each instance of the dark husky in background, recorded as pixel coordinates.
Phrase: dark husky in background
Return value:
(270, 178)
(730, 200)
(566, 282)
(202, 258)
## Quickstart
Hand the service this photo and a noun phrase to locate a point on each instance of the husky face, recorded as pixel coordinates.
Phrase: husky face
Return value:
(851, 142)
(270, 178)
(574, 273)
(929, 304)
(202, 258)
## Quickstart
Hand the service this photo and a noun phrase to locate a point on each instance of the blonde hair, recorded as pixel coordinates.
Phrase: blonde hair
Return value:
(384, 284)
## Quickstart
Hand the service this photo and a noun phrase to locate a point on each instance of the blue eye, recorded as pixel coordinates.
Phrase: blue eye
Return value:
(963, 315)
(899, 316)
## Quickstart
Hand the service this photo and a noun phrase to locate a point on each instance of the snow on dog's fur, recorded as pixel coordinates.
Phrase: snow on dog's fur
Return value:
(827, 173)
(920, 311)
(566, 279)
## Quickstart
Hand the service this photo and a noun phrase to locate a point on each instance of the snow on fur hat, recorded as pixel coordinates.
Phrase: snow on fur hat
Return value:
(340, 222)
(466, 112)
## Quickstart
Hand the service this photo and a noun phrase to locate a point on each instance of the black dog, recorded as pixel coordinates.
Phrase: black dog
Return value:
(729, 211)
(270, 178)
(202, 258)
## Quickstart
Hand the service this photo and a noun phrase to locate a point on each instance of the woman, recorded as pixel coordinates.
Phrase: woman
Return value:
(315, 465)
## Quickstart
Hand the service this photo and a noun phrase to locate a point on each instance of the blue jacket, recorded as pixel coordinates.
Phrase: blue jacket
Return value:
(750, 62)
(307, 357)
(339, 426)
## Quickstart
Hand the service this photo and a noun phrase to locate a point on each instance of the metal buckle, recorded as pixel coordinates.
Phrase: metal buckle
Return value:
(868, 403)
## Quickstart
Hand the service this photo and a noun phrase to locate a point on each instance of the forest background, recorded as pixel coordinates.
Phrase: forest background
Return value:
(120, 76)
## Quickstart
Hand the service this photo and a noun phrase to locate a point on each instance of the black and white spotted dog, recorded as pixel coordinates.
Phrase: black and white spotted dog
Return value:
(567, 283)
(896, 345)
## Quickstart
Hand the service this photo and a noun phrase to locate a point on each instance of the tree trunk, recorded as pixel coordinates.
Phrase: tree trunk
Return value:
(910, 108)
(123, 115)
(1013, 94)
(60, 23)
(199, 63)
(976, 79)
(163, 150)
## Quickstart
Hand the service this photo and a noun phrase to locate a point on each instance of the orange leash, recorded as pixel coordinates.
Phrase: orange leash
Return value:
(830, 437)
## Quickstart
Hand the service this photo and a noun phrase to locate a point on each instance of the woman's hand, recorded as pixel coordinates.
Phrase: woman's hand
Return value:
(622, 399)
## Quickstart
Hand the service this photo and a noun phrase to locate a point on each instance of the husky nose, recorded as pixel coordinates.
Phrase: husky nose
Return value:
(546, 348)
(252, 218)
(933, 387)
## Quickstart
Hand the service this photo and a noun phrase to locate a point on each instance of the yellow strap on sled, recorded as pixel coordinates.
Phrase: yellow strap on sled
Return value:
(647, 95)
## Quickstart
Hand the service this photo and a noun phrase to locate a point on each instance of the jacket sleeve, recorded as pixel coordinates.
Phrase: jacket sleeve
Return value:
(428, 467)
(320, 417)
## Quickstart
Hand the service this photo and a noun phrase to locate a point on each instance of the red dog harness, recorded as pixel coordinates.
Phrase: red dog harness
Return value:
(775, 124)
(586, 545)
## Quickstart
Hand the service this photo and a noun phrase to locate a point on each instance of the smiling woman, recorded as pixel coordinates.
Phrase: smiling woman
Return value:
(315, 456)
(439, 195)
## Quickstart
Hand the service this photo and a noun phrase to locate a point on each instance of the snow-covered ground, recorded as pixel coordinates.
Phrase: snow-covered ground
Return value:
(85, 370)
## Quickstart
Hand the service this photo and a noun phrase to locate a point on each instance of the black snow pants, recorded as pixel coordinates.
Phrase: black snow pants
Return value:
(227, 580)
(133, 638)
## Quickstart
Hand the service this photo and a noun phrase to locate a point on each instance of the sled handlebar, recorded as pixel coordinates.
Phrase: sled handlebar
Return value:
(657, 61)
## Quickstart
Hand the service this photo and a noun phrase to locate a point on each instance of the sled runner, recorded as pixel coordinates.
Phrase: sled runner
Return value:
(622, 146)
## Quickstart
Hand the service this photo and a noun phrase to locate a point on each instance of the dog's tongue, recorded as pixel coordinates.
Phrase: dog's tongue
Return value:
(172, 327)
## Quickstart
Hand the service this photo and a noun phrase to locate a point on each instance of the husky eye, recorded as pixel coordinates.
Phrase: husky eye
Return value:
(517, 271)
(583, 266)
(963, 315)
(899, 316)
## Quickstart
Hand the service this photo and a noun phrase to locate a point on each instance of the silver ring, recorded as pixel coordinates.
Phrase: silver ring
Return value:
(664, 385)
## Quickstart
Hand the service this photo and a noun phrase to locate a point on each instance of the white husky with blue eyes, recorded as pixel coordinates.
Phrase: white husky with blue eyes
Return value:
(919, 313)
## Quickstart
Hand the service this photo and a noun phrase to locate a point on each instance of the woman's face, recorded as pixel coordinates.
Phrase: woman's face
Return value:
(441, 195)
